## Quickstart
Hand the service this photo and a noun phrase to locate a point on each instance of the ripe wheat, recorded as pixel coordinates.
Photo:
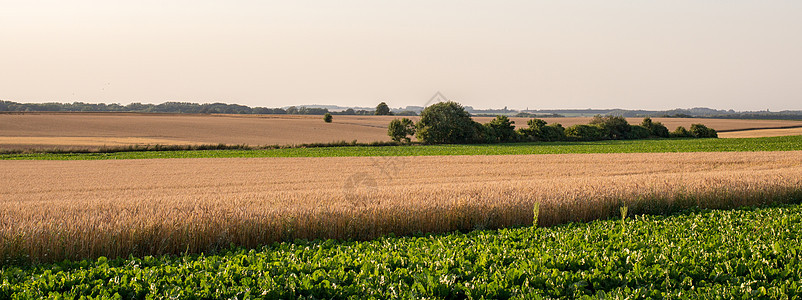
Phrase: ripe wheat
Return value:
(52, 210)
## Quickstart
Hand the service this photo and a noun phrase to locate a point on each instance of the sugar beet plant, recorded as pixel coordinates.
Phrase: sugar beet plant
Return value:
(752, 254)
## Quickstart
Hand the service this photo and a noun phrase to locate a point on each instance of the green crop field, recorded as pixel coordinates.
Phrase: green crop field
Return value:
(785, 143)
(745, 253)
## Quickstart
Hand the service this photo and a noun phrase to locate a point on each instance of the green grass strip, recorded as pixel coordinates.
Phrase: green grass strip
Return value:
(785, 143)
(724, 254)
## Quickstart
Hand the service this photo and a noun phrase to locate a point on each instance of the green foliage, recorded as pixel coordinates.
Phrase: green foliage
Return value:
(292, 110)
(582, 132)
(500, 130)
(735, 254)
(446, 123)
(552, 133)
(702, 131)
(656, 129)
(535, 124)
(401, 130)
(638, 132)
(612, 127)
(782, 143)
(383, 110)
(539, 131)
(166, 107)
(681, 132)
(407, 113)
(327, 118)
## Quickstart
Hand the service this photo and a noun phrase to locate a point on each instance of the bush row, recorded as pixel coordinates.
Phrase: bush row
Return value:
(449, 123)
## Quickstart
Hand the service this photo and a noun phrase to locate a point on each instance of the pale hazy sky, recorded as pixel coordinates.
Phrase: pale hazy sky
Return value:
(744, 55)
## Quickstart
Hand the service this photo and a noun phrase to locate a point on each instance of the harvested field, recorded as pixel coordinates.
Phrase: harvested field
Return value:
(761, 133)
(53, 210)
(94, 130)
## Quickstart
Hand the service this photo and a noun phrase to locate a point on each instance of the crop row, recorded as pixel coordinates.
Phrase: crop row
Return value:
(746, 253)
(785, 143)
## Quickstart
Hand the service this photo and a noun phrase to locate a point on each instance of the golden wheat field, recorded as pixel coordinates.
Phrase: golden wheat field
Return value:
(27, 131)
(53, 210)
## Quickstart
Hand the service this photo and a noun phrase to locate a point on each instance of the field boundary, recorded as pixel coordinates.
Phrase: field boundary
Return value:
(760, 128)
(352, 149)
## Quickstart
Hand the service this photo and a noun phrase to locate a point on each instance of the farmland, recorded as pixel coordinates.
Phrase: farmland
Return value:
(137, 223)
(746, 253)
(762, 132)
(38, 131)
(781, 143)
(54, 210)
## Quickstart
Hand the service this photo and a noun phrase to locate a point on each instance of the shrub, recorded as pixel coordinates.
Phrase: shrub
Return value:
(638, 132)
(612, 127)
(539, 131)
(500, 129)
(401, 130)
(656, 129)
(552, 133)
(327, 118)
(702, 131)
(446, 123)
(583, 132)
(532, 132)
(681, 132)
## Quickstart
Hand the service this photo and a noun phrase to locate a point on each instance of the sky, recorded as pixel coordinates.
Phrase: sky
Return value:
(735, 54)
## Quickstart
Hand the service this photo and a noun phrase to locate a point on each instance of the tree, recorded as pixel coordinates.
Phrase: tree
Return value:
(702, 131)
(655, 128)
(552, 133)
(500, 129)
(637, 132)
(401, 130)
(613, 127)
(327, 117)
(584, 132)
(446, 123)
(539, 131)
(681, 132)
(383, 110)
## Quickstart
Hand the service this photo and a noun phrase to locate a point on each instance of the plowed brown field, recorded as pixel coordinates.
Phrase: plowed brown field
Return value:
(52, 210)
(93, 130)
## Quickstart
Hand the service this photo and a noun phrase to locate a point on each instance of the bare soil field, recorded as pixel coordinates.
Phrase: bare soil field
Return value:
(93, 130)
(77, 209)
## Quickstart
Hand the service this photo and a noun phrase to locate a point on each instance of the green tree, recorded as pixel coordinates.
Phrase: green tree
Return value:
(681, 132)
(446, 123)
(501, 129)
(655, 128)
(702, 131)
(637, 132)
(532, 132)
(584, 132)
(401, 130)
(552, 133)
(327, 118)
(613, 127)
(383, 110)
(539, 131)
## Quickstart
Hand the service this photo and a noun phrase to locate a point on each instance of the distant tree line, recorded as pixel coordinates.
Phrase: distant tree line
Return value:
(167, 107)
(531, 115)
(186, 107)
(449, 123)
